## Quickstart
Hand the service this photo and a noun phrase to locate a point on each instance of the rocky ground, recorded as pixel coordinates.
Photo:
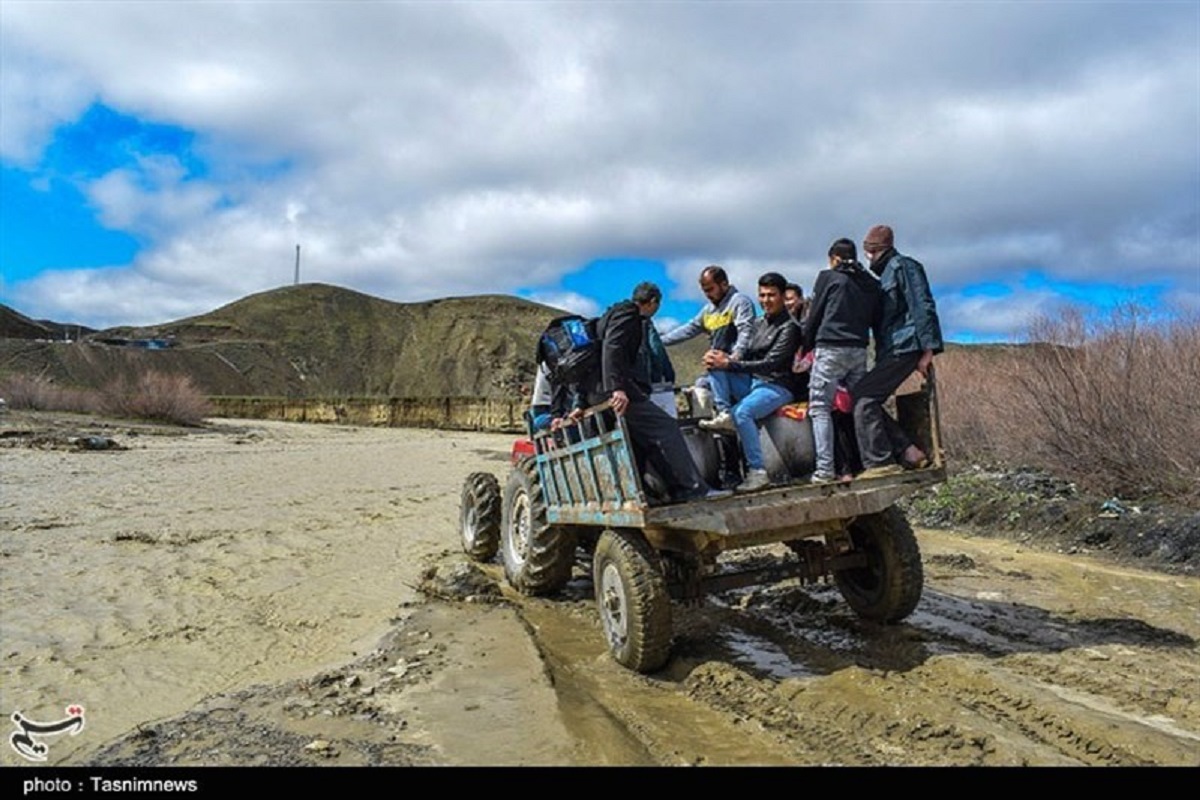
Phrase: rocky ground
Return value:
(1034, 508)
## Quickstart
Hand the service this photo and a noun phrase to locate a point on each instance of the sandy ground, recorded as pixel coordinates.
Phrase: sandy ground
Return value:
(279, 594)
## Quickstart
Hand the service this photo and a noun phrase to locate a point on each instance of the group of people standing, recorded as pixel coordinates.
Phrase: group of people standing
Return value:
(796, 349)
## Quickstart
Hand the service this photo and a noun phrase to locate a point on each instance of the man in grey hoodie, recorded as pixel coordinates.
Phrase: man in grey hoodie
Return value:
(728, 318)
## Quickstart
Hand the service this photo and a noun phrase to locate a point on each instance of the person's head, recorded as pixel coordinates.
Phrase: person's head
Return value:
(647, 297)
(842, 252)
(771, 287)
(793, 298)
(714, 283)
(878, 239)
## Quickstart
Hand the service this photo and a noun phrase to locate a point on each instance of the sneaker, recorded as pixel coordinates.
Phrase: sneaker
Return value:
(881, 471)
(721, 422)
(818, 477)
(755, 479)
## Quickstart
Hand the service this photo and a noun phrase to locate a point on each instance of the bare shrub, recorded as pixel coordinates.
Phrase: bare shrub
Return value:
(157, 396)
(1113, 404)
(37, 393)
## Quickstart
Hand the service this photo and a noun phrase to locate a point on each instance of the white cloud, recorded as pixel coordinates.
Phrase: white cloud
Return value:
(571, 302)
(423, 150)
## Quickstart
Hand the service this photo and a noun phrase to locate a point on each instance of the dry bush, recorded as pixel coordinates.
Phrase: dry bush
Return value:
(157, 396)
(37, 393)
(1113, 405)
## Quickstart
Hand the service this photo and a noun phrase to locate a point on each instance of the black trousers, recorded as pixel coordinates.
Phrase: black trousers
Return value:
(879, 436)
(658, 441)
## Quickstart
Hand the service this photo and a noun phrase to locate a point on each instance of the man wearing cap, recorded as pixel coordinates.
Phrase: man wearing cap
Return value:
(909, 336)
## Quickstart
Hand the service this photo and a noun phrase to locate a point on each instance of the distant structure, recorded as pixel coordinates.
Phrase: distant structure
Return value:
(296, 281)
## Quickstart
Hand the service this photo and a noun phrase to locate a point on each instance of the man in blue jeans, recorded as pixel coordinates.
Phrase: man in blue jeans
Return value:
(768, 361)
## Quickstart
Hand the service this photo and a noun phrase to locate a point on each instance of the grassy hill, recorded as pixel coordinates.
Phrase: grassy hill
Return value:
(316, 340)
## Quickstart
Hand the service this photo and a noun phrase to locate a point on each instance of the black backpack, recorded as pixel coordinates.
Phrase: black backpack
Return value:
(570, 349)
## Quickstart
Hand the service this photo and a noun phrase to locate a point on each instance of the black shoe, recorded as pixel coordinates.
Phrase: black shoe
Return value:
(703, 494)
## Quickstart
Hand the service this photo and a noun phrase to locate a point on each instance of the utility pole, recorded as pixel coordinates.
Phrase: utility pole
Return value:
(296, 282)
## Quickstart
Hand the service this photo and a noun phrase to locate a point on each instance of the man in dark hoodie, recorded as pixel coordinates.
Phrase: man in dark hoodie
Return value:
(655, 435)
(845, 307)
(909, 336)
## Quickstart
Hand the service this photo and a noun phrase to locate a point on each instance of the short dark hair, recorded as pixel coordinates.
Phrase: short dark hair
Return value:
(843, 250)
(794, 287)
(774, 279)
(646, 292)
(716, 273)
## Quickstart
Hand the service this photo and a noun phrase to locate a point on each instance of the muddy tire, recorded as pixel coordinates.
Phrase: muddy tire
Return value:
(631, 595)
(537, 556)
(889, 587)
(479, 516)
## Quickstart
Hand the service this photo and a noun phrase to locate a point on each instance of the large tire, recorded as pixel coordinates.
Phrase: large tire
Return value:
(479, 516)
(537, 556)
(631, 594)
(889, 587)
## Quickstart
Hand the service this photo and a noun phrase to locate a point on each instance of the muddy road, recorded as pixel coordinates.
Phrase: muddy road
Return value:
(1014, 656)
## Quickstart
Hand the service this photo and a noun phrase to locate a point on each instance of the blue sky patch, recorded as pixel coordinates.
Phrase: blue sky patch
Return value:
(52, 228)
(103, 140)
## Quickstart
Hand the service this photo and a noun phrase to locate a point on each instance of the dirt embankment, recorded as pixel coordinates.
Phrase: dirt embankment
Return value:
(277, 594)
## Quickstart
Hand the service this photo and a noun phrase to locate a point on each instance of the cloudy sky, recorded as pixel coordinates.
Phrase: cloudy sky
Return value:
(162, 159)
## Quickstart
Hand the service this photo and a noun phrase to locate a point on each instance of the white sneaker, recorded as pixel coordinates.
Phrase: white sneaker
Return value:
(721, 422)
(755, 479)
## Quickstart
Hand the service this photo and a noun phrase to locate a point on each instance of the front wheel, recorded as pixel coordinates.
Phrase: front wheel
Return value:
(631, 593)
(479, 516)
(888, 587)
(538, 557)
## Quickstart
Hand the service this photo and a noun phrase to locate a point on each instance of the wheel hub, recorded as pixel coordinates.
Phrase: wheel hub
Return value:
(519, 529)
(613, 603)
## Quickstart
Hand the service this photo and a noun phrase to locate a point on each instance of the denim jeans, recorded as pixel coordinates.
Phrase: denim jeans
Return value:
(763, 400)
(727, 388)
(831, 366)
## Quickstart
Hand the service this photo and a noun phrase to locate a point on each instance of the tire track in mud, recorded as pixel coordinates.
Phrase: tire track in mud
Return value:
(967, 681)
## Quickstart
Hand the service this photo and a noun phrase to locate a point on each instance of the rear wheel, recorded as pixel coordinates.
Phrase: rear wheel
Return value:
(631, 593)
(888, 587)
(537, 556)
(479, 516)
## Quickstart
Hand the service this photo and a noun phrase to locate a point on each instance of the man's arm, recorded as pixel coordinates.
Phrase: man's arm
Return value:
(778, 358)
(816, 311)
(622, 335)
(688, 330)
(921, 306)
(743, 323)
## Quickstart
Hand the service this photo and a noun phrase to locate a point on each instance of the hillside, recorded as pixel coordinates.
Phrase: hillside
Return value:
(316, 340)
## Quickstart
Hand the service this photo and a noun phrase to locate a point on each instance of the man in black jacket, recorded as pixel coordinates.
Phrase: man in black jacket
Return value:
(655, 434)
(768, 360)
(845, 307)
(910, 335)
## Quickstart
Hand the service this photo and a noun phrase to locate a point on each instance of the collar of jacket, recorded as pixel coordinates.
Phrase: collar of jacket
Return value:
(879, 264)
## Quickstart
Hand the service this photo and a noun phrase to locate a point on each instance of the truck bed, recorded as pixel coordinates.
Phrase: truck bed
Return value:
(589, 479)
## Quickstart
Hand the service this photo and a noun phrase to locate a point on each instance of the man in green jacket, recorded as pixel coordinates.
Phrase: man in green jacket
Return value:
(909, 336)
